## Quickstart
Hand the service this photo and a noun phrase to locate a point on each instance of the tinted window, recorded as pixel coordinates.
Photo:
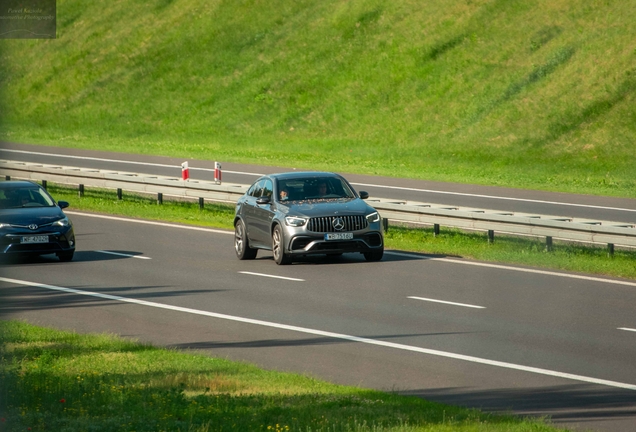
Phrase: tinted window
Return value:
(25, 197)
(250, 191)
(257, 189)
(267, 188)
(290, 190)
(300, 189)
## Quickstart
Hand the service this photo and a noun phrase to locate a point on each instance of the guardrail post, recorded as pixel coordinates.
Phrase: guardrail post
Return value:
(159, 198)
(548, 244)
(119, 195)
(201, 203)
(491, 236)
(610, 249)
(81, 190)
(385, 225)
(435, 230)
(44, 184)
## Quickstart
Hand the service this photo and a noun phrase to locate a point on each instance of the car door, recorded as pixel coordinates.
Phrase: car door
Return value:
(263, 214)
(249, 211)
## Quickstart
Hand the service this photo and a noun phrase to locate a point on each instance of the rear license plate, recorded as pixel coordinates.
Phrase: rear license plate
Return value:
(339, 236)
(34, 239)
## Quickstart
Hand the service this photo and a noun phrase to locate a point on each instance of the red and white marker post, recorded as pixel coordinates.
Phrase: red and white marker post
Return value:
(217, 172)
(185, 171)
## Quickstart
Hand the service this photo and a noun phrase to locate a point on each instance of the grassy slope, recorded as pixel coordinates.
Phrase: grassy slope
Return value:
(537, 94)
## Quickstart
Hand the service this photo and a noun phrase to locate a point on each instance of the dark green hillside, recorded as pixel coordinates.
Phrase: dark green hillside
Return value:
(536, 94)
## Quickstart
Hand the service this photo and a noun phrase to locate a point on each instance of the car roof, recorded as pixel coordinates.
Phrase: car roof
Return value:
(303, 174)
(17, 184)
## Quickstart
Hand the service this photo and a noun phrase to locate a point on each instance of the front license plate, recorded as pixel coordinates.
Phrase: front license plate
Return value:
(338, 236)
(34, 239)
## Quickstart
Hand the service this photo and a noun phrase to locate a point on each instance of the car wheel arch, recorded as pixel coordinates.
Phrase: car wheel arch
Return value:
(281, 257)
(273, 226)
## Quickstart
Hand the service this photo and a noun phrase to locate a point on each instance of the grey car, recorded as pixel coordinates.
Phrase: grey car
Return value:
(306, 213)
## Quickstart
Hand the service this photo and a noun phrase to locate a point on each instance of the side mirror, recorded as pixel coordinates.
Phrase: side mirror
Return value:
(263, 200)
(363, 194)
(62, 204)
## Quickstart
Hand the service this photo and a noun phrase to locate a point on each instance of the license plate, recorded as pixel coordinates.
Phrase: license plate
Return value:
(34, 239)
(338, 236)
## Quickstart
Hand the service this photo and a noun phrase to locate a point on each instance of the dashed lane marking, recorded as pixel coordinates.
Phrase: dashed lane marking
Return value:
(340, 336)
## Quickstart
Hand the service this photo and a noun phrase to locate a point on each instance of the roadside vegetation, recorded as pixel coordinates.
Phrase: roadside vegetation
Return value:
(52, 380)
(450, 243)
(536, 94)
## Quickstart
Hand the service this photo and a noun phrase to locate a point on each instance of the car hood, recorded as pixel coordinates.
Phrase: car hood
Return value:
(31, 215)
(316, 208)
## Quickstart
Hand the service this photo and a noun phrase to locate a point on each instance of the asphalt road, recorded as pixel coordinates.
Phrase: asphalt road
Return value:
(492, 337)
(495, 198)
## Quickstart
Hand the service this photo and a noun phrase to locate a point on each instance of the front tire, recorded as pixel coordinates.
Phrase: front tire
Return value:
(374, 255)
(66, 256)
(278, 247)
(241, 243)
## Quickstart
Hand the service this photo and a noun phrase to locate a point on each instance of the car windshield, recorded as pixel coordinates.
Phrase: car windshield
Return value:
(19, 197)
(313, 188)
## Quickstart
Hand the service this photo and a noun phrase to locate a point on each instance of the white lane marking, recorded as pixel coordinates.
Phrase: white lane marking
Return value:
(272, 276)
(305, 330)
(627, 329)
(403, 254)
(168, 225)
(446, 302)
(519, 269)
(122, 161)
(124, 255)
(495, 197)
(357, 184)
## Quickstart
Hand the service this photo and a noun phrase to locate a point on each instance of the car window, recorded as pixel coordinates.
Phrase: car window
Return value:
(25, 197)
(250, 191)
(327, 188)
(267, 188)
(257, 189)
(41, 197)
(313, 188)
(290, 190)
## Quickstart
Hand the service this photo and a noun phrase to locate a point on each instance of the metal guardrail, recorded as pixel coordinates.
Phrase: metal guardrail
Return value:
(133, 182)
(574, 229)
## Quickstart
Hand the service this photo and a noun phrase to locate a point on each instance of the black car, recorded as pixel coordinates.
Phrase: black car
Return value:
(32, 223)
(306, 213)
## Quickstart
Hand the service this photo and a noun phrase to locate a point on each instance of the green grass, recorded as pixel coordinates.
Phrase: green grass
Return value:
(529, 252)
(52, 380)
(538, 94)
(452, 242)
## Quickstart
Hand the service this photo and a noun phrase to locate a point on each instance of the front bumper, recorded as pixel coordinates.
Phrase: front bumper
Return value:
(303, 244)
(58, 241)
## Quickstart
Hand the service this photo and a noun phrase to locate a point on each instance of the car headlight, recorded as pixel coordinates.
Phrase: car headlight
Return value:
(62, 222)
(373, 217)
(295, 221)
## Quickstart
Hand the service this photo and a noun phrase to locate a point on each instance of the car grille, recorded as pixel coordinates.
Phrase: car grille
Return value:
(325, 224)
